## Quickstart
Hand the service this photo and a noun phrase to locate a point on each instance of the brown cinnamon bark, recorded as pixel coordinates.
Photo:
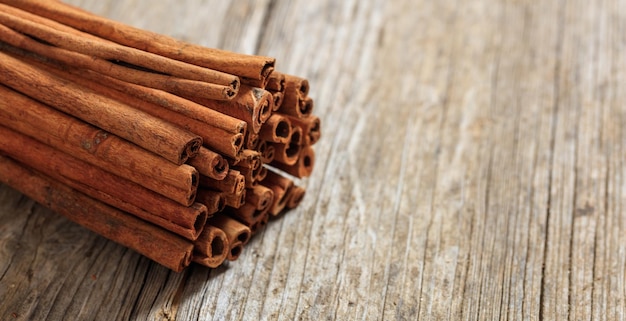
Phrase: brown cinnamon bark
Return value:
(280, 185)
(111, 51)
(278, 99)
(260, 197)
(267, 156)
(235, 200)
(171, 84)
(159, 245)
(91, 144)
(296, 194)
(153, 134)
(304, 165)
(227, 143)
(183, 220)
(248, 215)
(236, 233)
(277, 129)
(213, 200)
(210, 164)
(295, 97)
(276, 82)
(311, 128)
(288, 153)
(251, 68)
(233, 183)
(211, 248)
(253, 105)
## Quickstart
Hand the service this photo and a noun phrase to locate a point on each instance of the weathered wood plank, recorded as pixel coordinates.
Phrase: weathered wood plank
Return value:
(471, 167)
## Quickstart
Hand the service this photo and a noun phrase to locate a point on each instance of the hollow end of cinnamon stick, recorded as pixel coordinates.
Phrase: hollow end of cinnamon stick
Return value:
(303, 166)
(212, 247)
(277, 129)
(278, 100)
(276, 82)
(288, 153)
(235, 231)
(305, 107)
(296, 194)
(235, 251)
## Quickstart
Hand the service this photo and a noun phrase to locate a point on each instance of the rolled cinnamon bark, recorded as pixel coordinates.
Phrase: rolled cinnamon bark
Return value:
(157, 244)
(233, 183)
(278, 99)
(253, 105)
(227, 143)
(277, 129)
(252, 141)
(211, 248)
(248, 215)
(153, 134)
(280, 185)
(250, 67)
(268, 153)
(311, 128)
(260, 197)
(294, 96)
(235, 250)
(249, 158)
(288, 153)
(261, 174)
(159, 210)
(296, 194)
(304, 165)
(210, 164)
(237, 233)
(213, 200)
(90, 144)
(111, 51)
(218, 131)
(169, 101)
(276, 82)
(235, 200)
(171, 84)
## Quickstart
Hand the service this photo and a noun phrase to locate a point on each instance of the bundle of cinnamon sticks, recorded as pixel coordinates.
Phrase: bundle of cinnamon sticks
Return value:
(177, 151)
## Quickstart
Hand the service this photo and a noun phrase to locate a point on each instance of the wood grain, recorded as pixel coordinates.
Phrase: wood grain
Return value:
(470, 168)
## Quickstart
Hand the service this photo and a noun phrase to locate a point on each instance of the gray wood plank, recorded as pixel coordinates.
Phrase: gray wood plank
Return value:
(471, 167)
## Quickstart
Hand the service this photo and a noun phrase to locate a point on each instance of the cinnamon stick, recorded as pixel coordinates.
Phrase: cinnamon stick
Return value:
(248, 215)
(303, 166)
(280, 185)
(288, 153)
(311, 128)
(235, 200)
(155, 243)
(183, 220)
(253, 105)
(149, 132)
(111, 51)
(254, 69)
(213, 200)
(260, 197)
(294, 96)
(295, 196)
(233, 183)
(171, 84)
(211, 248)
(277, 129)
(236, 233)
(91, 144)
(276, 82)
(210, 164)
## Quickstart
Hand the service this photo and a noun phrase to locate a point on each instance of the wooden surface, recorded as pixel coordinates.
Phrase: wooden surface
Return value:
(471, 168)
